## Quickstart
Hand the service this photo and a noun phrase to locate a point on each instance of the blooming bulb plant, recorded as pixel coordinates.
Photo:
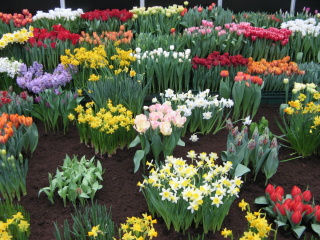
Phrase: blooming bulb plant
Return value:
(58, 13)
(308, 26)
(184, 193)
(159, 130)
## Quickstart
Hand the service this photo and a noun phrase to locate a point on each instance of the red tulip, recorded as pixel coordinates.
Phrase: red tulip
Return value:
(295, 191)
(298, 198)
(317, 215)
(275, 197)
(307, 209)
(296, 217)
(270, 189)
(280, 208)
(199, 9)
(224, 73)
(280, 190)
(307, 195)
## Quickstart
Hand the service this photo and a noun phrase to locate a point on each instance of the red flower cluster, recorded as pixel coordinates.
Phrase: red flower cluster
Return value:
(58, 33)
(104, 15)
(215, 59)
(247, 77)
(297, 205)
(4, 98)
(274, 34)
(17, 18)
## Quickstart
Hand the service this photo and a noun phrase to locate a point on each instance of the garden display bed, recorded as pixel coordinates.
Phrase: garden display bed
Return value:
(121, 193)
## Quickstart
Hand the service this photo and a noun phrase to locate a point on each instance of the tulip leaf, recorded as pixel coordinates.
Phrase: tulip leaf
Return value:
(298, 231)
(261, 200)
(138, 156)
(241, 170)
(135, 142)
(279, 223)
(316, 228)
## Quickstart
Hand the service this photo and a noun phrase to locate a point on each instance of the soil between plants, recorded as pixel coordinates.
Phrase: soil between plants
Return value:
(120, 191)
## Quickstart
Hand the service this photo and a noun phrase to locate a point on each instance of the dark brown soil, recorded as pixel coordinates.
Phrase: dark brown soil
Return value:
(121, 193)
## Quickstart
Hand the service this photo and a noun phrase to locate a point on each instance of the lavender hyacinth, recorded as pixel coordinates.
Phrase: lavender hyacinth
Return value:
(35, 80)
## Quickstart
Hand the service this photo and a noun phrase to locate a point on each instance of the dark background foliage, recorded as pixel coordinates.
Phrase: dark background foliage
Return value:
(234, 5)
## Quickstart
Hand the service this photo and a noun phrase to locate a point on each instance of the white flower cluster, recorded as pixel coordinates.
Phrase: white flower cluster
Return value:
(307, 27)
(58, 13)
(187, 102)
(170, 11)
(156, 54)
(176, 180)
(310, 87)
(11, 67)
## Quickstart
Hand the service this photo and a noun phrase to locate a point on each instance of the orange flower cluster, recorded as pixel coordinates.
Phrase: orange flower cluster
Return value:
(18, 19)
(119, 37)
(277, 67)
(8, 123)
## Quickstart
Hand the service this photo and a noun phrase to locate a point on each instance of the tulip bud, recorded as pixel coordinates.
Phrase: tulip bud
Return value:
(307, 195)
(224, 73)
(229, 124)
(295, 191)
(307, 209)
(235, 131)
(255, 133)
(275, 197)
(317, 215)
(280, 190)
(296, 217)
(285, 80)
(251, 144)
(231, 148)
(3, 152)
(270, 189)
(298, 198)
(274, 143)
(280, 208)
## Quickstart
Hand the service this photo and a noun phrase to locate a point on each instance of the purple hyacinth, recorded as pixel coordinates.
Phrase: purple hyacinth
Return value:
(35, 80)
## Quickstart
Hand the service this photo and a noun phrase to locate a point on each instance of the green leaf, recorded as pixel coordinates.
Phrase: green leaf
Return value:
(316, 228)
(241, 170)
(181, 143)
(84, 195)
(299, 231)
(135, 142)
(299, 56)
(261, 200)
(138, 156)
(279, 223)
(156, 145)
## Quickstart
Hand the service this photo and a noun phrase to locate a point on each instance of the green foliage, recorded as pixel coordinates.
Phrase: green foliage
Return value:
(76, 180)
(13, 176)
(84, 219)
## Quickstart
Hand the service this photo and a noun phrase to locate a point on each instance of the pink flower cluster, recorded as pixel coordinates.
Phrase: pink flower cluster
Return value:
(206, 27)
(271, 33)
(162, 117)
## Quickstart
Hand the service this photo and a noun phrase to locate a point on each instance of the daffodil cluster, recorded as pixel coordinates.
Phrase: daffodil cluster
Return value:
(138, 228)
(191, 191)
(122, 61)
(95, 58)
(19, 36)
(95, 231)
(106, 129)
(301, 119)
(16, 223)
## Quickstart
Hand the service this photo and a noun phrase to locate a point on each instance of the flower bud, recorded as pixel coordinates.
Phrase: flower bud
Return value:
(280, 208)
(285, 80)
(280, 190)
(235, 131)
(295, 191)
(251, 144)
(3, 152)
(296, 217)
(231, 148)
(270, 189)
(307, 195)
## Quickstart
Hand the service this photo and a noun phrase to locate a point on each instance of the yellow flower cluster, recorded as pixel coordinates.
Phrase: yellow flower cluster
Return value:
(177, 180)
(259, 227)
(95, 58)
(138, 228)
(94, 78)
(95, 231)
(20, 36)
(105, 121)
(299, 106)
(168, 12)
(17, 219)
(122, 60)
